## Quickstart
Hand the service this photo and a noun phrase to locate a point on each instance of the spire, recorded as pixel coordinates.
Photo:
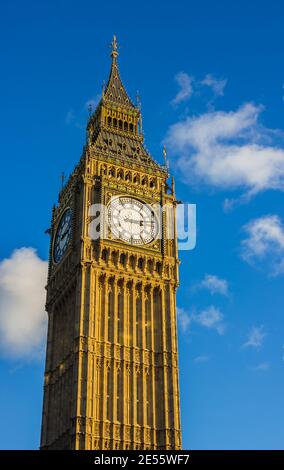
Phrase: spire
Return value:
(115, 91)
(114, 46)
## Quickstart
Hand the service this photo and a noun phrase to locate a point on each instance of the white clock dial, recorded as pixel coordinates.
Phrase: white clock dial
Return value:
(62, 236)
(132, 221)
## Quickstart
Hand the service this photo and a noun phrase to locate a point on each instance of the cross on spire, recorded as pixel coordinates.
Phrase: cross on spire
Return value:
(114, 47)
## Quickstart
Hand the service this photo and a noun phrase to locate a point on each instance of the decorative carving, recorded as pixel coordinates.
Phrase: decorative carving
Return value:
(107, 430)
(137, 356)
(116, 431)
(97, 429)
(106, 445)
(108, 350)
(137, 434)
(147, 436)
(117, 352)
(126, 354)
(127, 433)
(146, 357)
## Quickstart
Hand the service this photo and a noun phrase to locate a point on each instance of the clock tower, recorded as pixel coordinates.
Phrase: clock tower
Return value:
(111, 374)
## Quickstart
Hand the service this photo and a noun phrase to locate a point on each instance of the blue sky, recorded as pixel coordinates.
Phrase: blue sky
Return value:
(210, 77)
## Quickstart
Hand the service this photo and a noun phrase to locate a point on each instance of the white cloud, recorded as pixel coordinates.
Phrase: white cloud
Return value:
(255, 338)
(210, 317)
(75, 119)
(217, 85)
(22, 298)
(228, 151)
(262, 366)
(200, 359)
(264, 243)
(92, 103)
(185, 83)
(214, 284)
(70, 117)
(183, 319)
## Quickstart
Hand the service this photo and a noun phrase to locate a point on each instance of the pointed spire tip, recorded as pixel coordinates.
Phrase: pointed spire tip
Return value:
(114, 47)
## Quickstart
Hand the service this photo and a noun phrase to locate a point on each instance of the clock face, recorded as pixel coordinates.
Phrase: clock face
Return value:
(132, 221)
(62, 236)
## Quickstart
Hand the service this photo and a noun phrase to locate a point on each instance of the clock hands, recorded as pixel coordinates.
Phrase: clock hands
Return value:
(133, 221)
(140, 222)
(64, 234)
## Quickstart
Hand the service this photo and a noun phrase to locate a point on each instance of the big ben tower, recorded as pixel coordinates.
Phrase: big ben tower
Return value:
(111, 374)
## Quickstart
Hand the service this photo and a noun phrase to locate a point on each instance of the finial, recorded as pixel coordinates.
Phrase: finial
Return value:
(173, 185)
(114, 47)
(90, 109)
(138, 100)
(62, 179)
(165, 157)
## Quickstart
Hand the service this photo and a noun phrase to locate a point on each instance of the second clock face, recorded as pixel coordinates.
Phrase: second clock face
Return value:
(62, 236)
(132, 221)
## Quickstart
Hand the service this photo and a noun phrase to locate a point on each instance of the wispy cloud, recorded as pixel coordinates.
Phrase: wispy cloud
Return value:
(263, 366)
(214, 284)
(212, 318)
(264, 243)
(70, 117)
(216, 84)
(200, 359)
(22, 304)
(188, 86)
(185, 82)
(77, 118)
(92, 103)
(228, 151)
(183, 319)
(255, 337)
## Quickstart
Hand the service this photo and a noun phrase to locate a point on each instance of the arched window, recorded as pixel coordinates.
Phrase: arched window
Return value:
(132, 261)
(103, 170)
(111, 172)
(150, 265)
(159, 267)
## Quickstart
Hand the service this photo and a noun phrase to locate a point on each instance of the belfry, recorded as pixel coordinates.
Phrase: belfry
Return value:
(111, 374)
